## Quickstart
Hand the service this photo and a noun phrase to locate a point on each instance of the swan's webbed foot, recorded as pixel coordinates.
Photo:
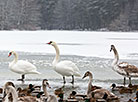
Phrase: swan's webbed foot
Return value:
(22, 79)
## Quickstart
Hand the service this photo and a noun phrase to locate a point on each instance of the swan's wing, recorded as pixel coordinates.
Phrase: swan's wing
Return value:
(52, 98)
(70, 65)
(64, 70)
(130, 70)
(123, 64)
(24, 66)
(99, 93)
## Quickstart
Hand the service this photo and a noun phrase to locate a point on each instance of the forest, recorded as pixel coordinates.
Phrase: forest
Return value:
(91, 15)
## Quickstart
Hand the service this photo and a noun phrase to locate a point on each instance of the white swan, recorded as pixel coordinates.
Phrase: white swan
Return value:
(65, 68)
(50, 98)
(123, 68)
(21, 66)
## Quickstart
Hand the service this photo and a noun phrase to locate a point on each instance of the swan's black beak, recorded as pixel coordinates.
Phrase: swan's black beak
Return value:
(83, 77)
(48, 85)
(111, 49)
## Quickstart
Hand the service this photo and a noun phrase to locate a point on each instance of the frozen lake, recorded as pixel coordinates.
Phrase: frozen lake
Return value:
(89, 50)
(81, 43)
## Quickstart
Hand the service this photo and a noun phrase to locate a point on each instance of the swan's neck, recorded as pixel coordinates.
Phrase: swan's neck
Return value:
(15, 58)
(89, 84)
(115, 61)
(45, 91)
(56, 59)
(14, 94)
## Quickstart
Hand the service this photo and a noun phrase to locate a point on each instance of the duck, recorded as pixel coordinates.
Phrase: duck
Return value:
(134, 87)
(114, 87)
(124, 68)
(125, 90)
(66, 67)
(90, 86)
(21, 66)
(50, 98)
(26, 91)
(76, 96)
(121, 89)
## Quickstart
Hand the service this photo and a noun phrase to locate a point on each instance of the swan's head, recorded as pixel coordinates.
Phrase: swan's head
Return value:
(8, 88)
(51, 43)
(6, 91)
(45, 83)
(12, 52)
(112, 48)
(9, 84)
(88, 73)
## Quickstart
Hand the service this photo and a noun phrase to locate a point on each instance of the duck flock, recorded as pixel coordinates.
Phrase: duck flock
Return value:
(66, 68)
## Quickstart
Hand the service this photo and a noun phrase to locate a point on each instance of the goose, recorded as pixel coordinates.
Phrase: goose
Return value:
(50, 98)
(123, 68)
(65, 68)
(90, 86)
(21, 67)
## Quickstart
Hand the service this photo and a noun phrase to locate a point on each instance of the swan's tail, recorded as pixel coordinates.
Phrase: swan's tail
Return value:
(35, 72)
(77, 74)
